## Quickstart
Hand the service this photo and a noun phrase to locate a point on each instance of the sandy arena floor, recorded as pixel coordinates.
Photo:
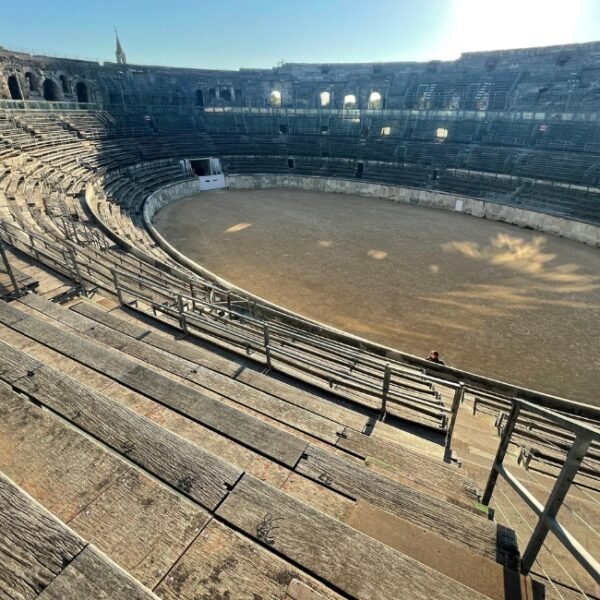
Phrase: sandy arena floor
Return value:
(506, 302)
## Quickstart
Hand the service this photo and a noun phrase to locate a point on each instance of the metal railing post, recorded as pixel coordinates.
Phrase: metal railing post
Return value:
(185, 325)
(116, 284)
(501, 453)
(73, 258)
(387, 377)
(33, 248)
(9, 270)
(559, 491)
(267, 345)
(182, 324)
(192, 295)
(459, 394)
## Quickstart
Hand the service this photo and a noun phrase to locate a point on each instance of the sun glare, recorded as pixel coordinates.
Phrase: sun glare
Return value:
(476, 25)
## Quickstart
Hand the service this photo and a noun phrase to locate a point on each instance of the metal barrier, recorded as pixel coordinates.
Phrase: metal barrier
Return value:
(227, 316)
(547, 514)
(9, 270)
(47, 105)
(232, 316)
(252, 327)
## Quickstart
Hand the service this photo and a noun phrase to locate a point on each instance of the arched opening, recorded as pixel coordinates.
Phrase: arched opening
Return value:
(50, 90)
(64, 82)
(82, 92)
(199, 98)
(325, 99)
(275, 98)
(32, 81)
(14, 88)
(374, 101)
(349, 101)
(225, 94)
(441, 133)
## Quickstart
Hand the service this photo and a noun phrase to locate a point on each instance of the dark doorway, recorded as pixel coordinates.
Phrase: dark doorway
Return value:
(199, 98)
(225, 94)
(82, 92)
(14, 88)
(359, 170)
(290, 163)
(50, 90)
(201, 166)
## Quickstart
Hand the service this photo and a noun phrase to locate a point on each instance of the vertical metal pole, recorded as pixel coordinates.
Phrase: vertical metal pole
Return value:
(267, 345)
(33, 248)
(77, 271)
(192, 295)
(185, 326)
(501, 453)
(459, 394)
(387, 376)
(116, 284)
(68, 266)
(180, 310)
(557, 495)
(229, 305)
(9, 270)
(74, 231)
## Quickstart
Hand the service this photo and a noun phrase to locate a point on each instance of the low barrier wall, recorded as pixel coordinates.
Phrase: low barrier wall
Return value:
(574, 230)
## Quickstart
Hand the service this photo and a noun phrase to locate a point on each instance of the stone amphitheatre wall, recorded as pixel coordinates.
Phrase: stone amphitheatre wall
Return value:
(558, 78)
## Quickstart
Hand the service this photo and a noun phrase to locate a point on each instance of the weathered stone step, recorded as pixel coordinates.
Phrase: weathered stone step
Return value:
(453, 560)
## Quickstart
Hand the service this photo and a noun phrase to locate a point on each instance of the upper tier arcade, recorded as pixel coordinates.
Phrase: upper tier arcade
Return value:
(557, 79)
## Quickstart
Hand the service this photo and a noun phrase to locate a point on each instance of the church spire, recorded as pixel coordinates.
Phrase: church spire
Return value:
(120, 53)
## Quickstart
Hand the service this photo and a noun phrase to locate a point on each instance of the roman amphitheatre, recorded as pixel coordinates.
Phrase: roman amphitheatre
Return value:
(219, 293)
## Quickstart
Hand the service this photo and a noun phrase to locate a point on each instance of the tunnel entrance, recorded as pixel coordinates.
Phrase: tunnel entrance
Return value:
(50, 90)
(82, 92)
(14, 88)
(209, 172)
(201, 166)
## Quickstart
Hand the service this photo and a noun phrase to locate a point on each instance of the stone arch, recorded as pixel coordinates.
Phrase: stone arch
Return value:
(51, 91)
(66, 86)
(81, 90)
(14, 87)
(349, 101)
(375, 101)
(32, 81)
(275, 98)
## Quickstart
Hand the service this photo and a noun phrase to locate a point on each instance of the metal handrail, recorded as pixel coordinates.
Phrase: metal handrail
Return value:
(258, 339)
(547, 514)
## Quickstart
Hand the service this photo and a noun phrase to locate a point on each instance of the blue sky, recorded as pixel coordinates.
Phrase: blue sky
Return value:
(260, 33)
